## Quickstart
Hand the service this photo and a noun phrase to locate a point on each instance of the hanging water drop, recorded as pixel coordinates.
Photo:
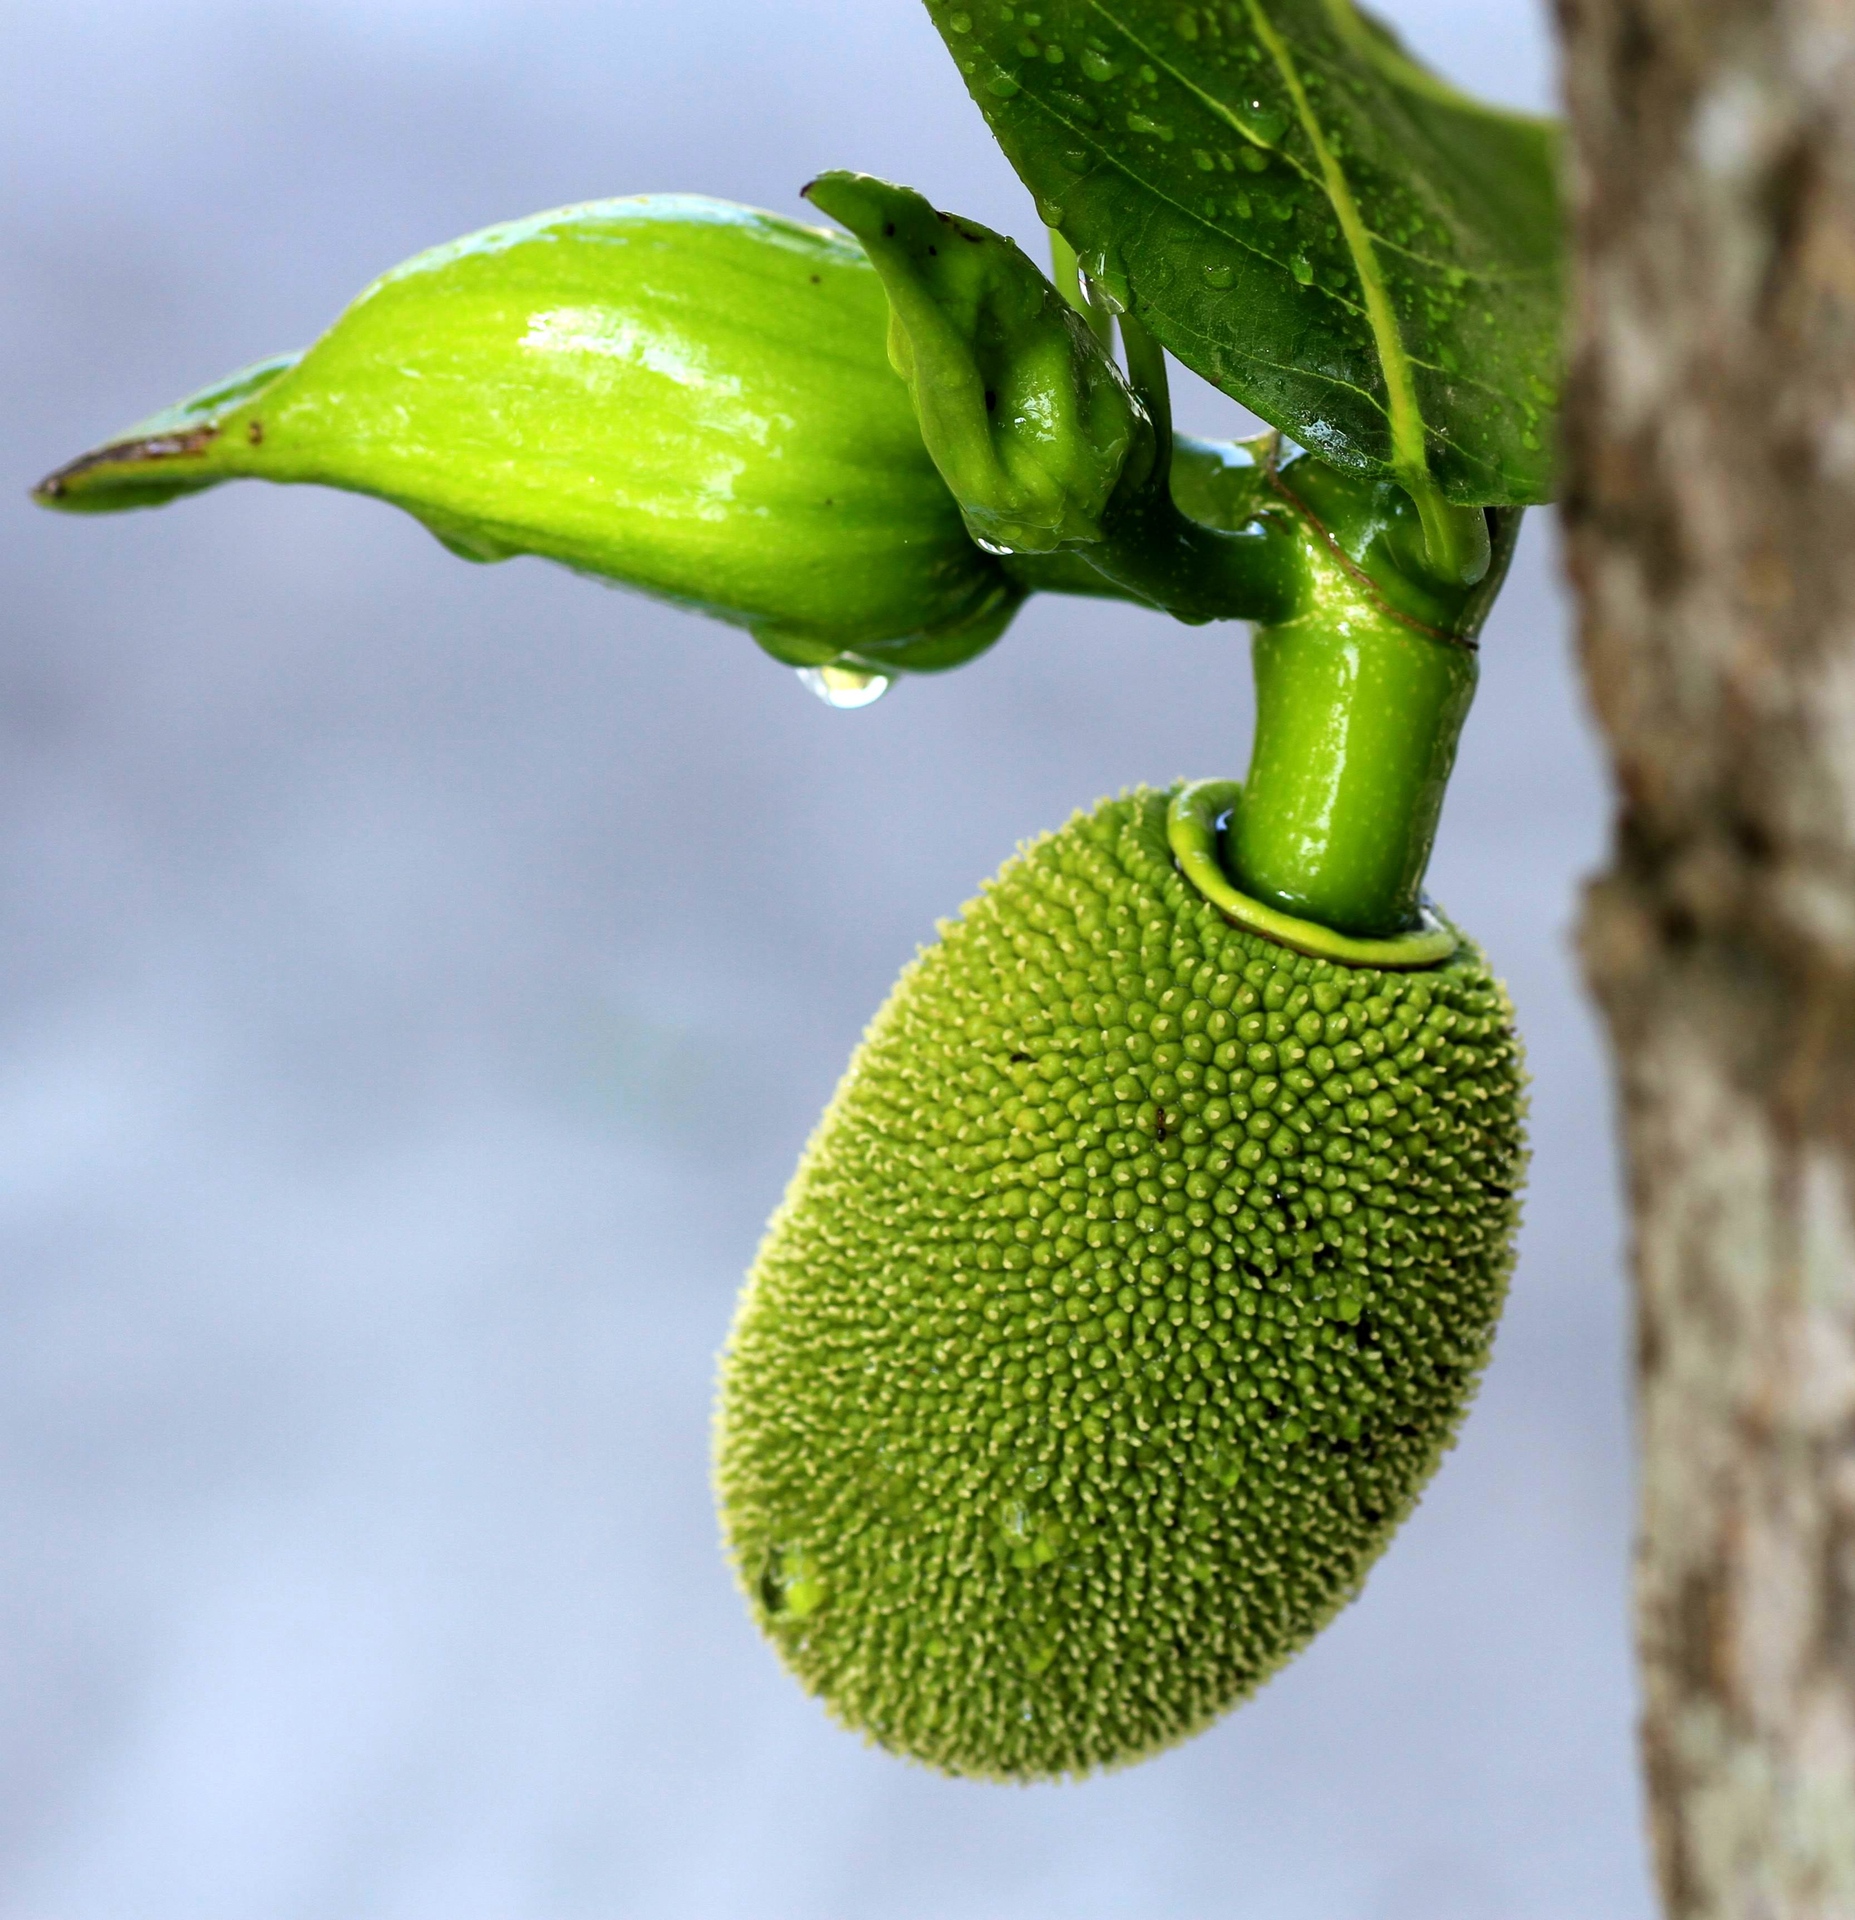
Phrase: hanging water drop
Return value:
(1108, 281)
(845, 687)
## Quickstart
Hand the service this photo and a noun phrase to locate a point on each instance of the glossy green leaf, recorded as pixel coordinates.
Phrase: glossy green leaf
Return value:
(1302, 214)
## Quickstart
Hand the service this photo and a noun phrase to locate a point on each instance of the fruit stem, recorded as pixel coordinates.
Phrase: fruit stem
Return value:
(1357, 719)
(1358, 711)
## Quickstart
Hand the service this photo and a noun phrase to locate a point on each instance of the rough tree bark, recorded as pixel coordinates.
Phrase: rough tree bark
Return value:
(1710, 512)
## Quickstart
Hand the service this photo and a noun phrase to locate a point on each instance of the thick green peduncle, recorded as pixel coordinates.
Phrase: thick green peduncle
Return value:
(1360, 700)
(1364, 658)
(1363, 679)
(1357, 718)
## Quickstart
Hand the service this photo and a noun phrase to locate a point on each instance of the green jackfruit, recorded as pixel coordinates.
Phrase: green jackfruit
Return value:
(1129, 1292)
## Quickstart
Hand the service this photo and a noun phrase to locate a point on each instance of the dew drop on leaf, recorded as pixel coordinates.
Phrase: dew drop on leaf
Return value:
(960, 23)
(1219, 274)
(1096, 65)
(1262, 122)
(1001, 86)
(1110, 281)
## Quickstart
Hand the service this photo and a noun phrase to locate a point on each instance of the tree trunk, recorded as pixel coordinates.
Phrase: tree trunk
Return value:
(1710, 513)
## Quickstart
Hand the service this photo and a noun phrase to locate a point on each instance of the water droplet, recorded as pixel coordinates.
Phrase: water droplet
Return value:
(1049, 213)
(1001, 86)
(1185, 24)
(1219, 275)
(1074, 159)
(1262, 122)
(1254, 159)
(960, 23)
(1109, 282)
(845, 687)
(1097, 66)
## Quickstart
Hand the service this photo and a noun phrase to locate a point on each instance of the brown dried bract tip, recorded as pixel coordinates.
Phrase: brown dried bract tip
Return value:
(157, 447)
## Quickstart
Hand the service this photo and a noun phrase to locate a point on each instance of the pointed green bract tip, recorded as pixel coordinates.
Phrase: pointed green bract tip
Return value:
(1128, 1293)
(1027, 418)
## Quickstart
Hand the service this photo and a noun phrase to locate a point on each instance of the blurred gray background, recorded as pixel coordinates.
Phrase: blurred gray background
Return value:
(419, 982)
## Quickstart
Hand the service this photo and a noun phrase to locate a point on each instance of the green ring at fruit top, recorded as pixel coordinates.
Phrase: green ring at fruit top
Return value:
(1191, 830)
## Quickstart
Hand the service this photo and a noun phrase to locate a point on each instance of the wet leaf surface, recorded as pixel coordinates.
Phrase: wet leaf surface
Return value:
(1302, 214)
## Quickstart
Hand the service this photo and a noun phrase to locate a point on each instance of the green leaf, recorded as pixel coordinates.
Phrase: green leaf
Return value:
(1302, 214)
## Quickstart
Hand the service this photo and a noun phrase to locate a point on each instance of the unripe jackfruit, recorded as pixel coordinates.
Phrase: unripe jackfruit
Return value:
(1132, 1286)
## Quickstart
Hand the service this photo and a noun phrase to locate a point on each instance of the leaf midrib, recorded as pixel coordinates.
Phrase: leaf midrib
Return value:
(1409, 450)
(1409, 453)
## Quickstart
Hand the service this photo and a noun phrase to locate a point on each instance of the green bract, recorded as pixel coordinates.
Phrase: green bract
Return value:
(681, 394)
(1027, 418)
(1134, 1281)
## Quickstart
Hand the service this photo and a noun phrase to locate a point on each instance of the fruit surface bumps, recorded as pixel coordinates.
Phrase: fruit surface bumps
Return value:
(1126, 1296)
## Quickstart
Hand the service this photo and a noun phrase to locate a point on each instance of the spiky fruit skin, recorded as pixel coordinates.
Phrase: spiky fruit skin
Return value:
(1133, 1283)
